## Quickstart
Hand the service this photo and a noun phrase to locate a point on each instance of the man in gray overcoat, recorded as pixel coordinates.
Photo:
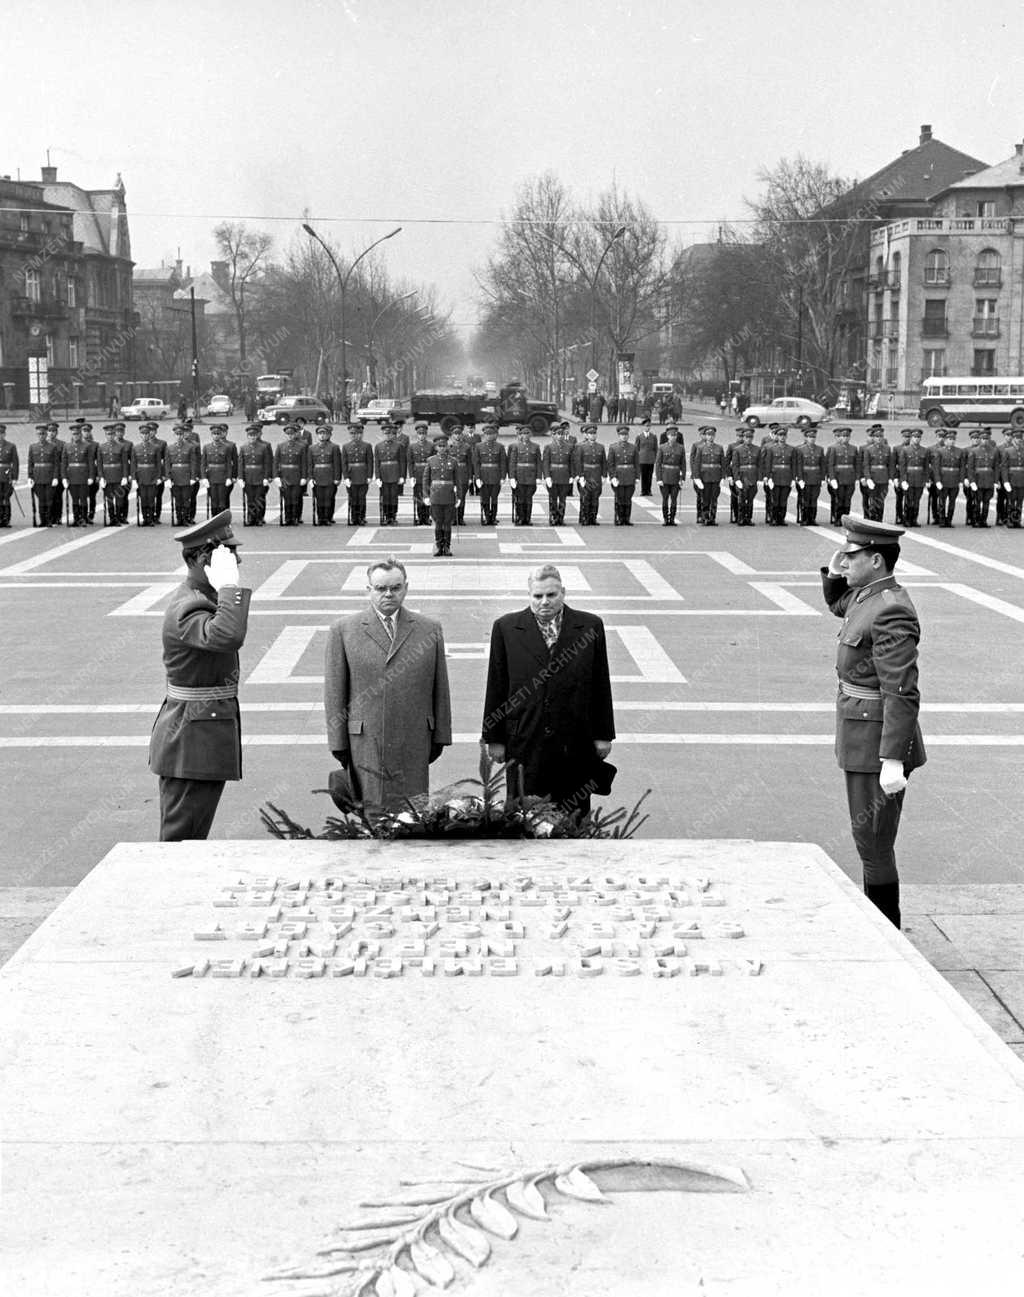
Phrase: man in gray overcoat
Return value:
(386, 694)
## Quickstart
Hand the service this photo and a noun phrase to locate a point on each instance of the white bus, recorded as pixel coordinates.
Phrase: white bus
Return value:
(947, 401)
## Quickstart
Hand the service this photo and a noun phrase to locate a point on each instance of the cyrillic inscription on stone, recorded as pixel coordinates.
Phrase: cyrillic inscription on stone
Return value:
(437, 927)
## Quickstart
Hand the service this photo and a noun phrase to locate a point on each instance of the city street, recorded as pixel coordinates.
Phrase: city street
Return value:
(721, 649)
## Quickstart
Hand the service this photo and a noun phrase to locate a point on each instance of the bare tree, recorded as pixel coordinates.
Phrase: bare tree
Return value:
(244, 251)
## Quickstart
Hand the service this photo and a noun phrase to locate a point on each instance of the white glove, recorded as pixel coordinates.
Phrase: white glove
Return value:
(266, 481)
(223, 568)
(904, 486)
(658, 485)
(401, 481)
(580, 481)
(834, 483)
(228, 481)
(378, 481)
(513, 483)
(698, 484)
(731, 481)
(891, 778)
(89, 481)
(870, 482)
(548, 483)
(801, 483)
(614, 481)
(974, 486)
(770, 483)
(204, 482)
(124, 481)
(64, 482)
(277, 481)
(479, 482)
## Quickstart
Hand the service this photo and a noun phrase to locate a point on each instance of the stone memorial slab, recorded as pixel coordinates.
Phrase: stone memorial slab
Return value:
(499, 1068)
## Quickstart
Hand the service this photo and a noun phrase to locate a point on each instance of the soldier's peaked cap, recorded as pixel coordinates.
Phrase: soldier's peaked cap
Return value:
(862, 532)
(249, 427)
(212, 531)
(422, 423)
(843, 430)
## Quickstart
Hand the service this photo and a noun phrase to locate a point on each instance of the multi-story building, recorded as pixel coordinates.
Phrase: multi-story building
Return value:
(163, 344)
(961, 274)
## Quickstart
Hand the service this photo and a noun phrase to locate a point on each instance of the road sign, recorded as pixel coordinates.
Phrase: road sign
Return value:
(593, 375)
(592, 386)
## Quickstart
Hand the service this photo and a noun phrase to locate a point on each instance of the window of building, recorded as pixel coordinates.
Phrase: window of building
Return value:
(32, 289)
(986, 207)
(934, 323)
(23, 222)
(73, 353)
(72, 293)
(988, 268)
(984, 361)
(896, 269)
(933, 362)
(984, 306)
(49, 350)
(936, 267)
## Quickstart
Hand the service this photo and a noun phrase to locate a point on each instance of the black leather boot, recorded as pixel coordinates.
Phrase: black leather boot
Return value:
(886, 896)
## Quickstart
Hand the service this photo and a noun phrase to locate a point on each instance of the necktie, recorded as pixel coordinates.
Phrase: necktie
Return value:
(389, 626)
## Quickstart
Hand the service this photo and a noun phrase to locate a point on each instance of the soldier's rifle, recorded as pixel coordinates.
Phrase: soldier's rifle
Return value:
(21, 507)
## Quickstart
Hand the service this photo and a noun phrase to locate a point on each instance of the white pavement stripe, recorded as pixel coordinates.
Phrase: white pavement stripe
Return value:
(59, 551)
(656, 667)
(70, 585)
(985, 600)
(967, 555)
(627, 705)
(638, 739)
(277, 664)
(792, 605)
(20, 533)
(141, 605)
(653, 582)
(279, 581)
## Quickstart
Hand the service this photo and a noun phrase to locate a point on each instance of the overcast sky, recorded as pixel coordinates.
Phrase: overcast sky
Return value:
(369, 115)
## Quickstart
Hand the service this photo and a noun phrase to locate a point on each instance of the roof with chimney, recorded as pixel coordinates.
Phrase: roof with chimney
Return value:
(218, 302)
(101, 220)
(915, 177)
(1002, 175)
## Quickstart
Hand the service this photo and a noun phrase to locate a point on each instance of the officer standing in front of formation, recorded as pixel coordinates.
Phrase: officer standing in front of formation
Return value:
(356, 471)
(745, 471)
(390, 470)
(810, 473)
(669, 472)
(490, 467)
(147, 468)
(556, 465)
(196, 744)
(419, 452)
(60, 458)
(980, 465)
(912, 471)
(114, 468)
(878, 739)
(898, 489)
(841, 473)
(525, 468)
(946, 464)
(590, 467)
(43, 472)
(622, 473)
(1011, 471)
(9, 471)
(707, 468)
(646, 455)
(256, 468)
(778, 463)
(291, 468)
(219, 468)
(183, 473)
(79, 474)
(325, 471)
(439, 483)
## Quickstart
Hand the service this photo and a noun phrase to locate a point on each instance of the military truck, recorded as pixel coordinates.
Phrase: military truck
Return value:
(452, 408)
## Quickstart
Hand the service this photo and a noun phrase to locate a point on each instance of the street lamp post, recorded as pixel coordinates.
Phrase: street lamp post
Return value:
(343, 285)
(370, 370)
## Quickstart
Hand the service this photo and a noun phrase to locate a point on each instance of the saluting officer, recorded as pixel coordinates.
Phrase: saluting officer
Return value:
(895, 476)
(44, 465)
(79, 474)
(946, 467)
(196, 743)
(646, 455)
(912, 471)
(525, 468)
(419, 452)
(556, 465)
(590, 467)
(707, 468)
(810, 473)
(622, 472)
(219, 468)
(669, 471)
(980, 478)
(778, 463)
(9, 470)
(841, 473)
(256, 468)
(745, 471)
(490, 464)
(390, 470)
(183, 472)
(325, 471)
(440, 485)
(356, 469)
(1011, 470)
(291, 468)
(60, 465)
(115, 465)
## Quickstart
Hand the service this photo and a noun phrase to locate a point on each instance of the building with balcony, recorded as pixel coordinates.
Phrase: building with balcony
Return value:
(960, 272)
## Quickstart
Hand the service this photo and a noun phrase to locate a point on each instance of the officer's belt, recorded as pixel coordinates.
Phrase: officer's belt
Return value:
(858, 691)
(210, 694)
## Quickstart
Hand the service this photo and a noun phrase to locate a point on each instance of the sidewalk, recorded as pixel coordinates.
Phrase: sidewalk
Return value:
(973, 934)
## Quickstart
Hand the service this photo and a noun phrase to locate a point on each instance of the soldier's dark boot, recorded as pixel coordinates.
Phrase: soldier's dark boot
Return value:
(438, 542)
(886, 896)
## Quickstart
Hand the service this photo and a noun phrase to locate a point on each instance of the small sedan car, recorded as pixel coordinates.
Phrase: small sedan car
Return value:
(144, 407)
(375, 411)
(296, 409)
(786, 409)
(221, 405)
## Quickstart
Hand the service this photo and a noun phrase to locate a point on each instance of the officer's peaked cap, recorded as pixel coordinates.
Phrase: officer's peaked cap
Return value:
(862, 532)
(212, 531)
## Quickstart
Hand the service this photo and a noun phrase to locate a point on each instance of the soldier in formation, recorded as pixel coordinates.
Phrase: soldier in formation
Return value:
(912, 472)
(810, 473)
(183, 474)
(389, 467)
(255, 468)
(356, 469)
(556, 465)
(589, 469)
(44, 466)
(9, 471)
(325, 472)
(841, 473)
(745, 473)
(945, 466)
(873, 470)
(525, 467)
(291, 468)
(1011, 476)
(79, 472)
(490, 467)
(707, 469)
(669, 471)
(60, 455)
(460, 449)
(420, 451)
(778, 467)
(115, 465)
(980, 467)
(623, 466)
(219, 469)
(646, 455)
(148, 469)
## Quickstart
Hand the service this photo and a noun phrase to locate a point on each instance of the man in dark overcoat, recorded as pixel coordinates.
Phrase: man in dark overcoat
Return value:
(878, 739)
(548, 707)
(196, 744)
(386, 694)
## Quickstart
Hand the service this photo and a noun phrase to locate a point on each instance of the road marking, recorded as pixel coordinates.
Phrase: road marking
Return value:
(985, 600)
(792, 605)
(19, 533)
(652, 581)
(982, 559)
(279, 581)
(59, 551)
(655, 665)
(143, 604)
(281, 658)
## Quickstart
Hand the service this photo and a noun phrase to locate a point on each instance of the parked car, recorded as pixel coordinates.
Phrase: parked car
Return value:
(144, 407)
(222, 405)
(786, 409)
(376, 410)
(296, 409)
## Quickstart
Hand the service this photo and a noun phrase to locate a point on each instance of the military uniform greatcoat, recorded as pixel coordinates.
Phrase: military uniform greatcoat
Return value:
(256, 468)
(80, 473)
(980, 472)
(148, 468)
(841, 468)
(1011, 472)
(490, 464)
(556, 465)
(524, 471)
(291, 468)
(646, 455)
(325, 472)
(419, 452)
(441, 487)
(356, 470)
(44, 464)
(874, 466)
(912, 468)
(590, 467)
(707, 466)
(390, 470)
(623, 466)
(669, 472)
(220, 468)
(183, 465)
(810, 470)
(9, 470)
